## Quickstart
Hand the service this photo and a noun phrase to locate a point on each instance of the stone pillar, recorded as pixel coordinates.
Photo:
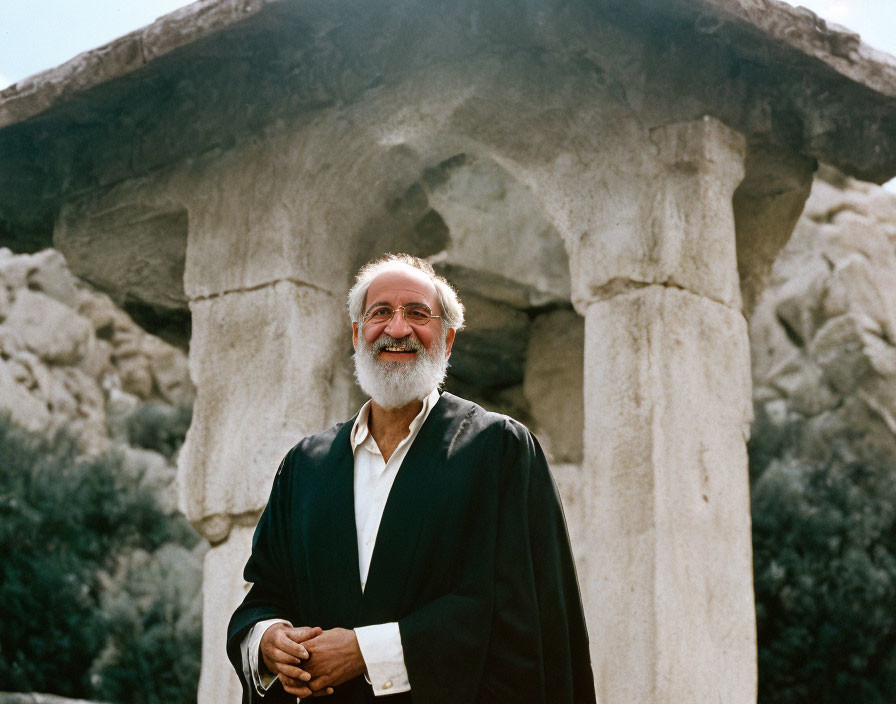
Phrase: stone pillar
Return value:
(668, 584)
(268, 356)
(268, 366)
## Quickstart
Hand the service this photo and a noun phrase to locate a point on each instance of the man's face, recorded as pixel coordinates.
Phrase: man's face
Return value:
(397, 362)
(401, 286)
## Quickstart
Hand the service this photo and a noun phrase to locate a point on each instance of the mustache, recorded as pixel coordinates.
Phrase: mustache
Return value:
(407, 343)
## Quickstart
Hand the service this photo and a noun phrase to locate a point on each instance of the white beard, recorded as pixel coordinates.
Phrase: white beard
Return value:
(393, 384)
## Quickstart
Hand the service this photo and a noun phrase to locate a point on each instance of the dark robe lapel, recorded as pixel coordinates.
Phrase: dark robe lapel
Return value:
(333, 548)
(396, 541)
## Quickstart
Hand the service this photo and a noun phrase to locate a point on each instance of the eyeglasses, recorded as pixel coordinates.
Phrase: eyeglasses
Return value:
(414, 314)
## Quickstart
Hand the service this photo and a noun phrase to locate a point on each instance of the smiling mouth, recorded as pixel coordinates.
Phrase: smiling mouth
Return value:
(398, 350)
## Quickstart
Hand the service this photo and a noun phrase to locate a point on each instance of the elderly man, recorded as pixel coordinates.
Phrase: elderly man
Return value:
(418, 551)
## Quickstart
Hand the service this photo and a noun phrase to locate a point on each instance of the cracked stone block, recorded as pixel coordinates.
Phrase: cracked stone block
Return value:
(268, 368)
(665, 214)
(667, 411)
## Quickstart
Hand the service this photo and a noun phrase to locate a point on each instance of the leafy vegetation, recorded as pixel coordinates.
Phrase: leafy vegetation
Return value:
(824, 541)
(98, 588)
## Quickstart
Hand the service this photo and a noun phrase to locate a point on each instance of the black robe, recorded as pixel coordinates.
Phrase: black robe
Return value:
(472, 559)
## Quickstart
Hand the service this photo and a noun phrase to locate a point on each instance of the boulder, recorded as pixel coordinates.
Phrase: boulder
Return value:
(49, 273)
(24, 409)
(50, 329)
(823, 335)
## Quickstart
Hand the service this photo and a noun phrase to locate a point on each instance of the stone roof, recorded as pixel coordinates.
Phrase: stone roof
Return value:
(217, 70)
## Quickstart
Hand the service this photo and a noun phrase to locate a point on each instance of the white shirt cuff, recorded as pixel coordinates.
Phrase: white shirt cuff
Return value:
(262, 678)
(384, 657)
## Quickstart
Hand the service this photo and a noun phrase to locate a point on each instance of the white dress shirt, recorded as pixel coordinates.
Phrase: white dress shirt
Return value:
(380, 644)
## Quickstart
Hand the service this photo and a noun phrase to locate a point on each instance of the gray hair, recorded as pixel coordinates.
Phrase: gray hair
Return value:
(452, 308)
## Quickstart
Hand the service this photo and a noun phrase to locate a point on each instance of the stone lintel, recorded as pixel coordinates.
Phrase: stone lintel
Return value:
(668, 591)
(218, 73)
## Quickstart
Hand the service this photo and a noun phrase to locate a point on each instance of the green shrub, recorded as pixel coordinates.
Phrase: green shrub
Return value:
(156, 608)
(824, 541)
(65, 522)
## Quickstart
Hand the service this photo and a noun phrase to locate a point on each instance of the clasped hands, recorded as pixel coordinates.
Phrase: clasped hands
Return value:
(310, 661)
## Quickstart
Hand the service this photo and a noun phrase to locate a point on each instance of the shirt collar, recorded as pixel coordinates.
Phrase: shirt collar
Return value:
(360, 431)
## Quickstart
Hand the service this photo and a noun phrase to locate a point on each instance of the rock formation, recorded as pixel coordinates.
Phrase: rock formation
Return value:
(71, 360)
(823, 334)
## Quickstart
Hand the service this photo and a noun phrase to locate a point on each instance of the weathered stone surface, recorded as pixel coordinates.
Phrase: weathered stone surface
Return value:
(78, 404)
(5, 301)
(823, 332)
(170, 371)
(644, 227)
(498, 229)
(133, 249)
(13, 269)
(268, 366)
(222, 590)
(570, 478)
(767, 204)
(124, 55)
(667, 411)
(50, 329)
(553, 383)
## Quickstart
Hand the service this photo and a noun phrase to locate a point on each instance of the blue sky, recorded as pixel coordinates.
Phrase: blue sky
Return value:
(39, 34)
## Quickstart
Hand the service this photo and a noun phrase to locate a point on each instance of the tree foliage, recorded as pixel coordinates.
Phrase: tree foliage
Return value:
(68, 525)
(824, 541)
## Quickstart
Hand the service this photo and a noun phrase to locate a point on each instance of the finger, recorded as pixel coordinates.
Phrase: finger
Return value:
(303, 633)
(282, 657)
(319, 684)
(300, 692)
(290, 645)
(295, 673)
(322, 692)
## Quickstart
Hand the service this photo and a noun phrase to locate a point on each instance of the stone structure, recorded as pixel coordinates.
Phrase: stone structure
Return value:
(607, 183)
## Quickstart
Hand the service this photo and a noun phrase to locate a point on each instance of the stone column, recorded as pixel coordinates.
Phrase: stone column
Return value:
(266, 285)
(265, 363)
(668, 583)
